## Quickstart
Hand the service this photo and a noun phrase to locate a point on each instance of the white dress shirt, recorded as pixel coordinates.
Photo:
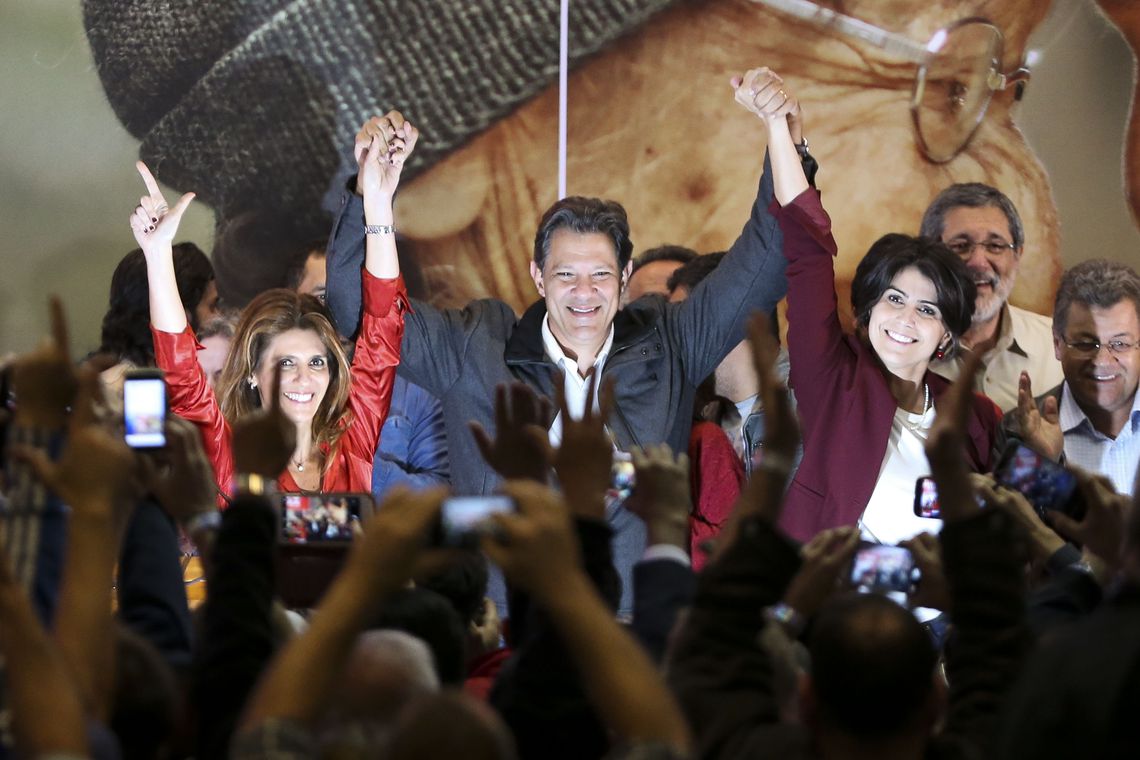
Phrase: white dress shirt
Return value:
(575, 385)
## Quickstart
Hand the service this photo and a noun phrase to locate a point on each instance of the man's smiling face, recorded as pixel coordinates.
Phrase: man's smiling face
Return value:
(581, 283)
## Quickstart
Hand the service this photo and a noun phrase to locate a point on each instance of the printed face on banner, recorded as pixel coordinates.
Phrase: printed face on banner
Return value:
(652, 124)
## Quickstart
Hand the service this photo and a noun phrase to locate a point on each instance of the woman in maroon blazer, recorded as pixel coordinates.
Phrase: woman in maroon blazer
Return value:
(865, 400)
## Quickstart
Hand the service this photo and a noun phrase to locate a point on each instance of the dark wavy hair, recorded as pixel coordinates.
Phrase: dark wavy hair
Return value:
(126, 325)
(893, 253)
(585, 215)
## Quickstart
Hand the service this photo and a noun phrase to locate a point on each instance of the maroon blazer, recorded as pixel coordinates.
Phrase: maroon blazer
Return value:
(845, 405)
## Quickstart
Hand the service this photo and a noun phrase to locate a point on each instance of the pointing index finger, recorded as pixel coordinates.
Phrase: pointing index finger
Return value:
(148, 180)
(59, 326)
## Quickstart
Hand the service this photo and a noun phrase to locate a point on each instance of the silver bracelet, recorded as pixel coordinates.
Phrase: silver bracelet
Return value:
(380, 229)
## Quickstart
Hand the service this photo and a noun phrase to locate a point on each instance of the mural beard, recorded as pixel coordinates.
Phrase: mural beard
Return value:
(652, 124)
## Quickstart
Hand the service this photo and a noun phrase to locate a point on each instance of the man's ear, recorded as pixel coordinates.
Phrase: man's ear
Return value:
(1058, 346)
(626, 273)
(536, 275)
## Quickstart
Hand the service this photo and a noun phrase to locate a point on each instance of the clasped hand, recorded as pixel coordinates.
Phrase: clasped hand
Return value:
(383, 145)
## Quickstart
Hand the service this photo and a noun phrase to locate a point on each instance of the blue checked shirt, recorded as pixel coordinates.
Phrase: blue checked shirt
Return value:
(1091, 450)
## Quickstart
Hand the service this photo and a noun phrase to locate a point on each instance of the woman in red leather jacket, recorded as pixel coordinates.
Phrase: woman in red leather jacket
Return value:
(338, 410)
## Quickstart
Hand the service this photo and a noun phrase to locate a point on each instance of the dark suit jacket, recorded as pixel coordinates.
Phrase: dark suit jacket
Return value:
(845, 405)
(661, 589)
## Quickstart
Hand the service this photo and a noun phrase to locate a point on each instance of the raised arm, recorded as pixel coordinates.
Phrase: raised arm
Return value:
(762, 92)
(155, 224)
(382, 147)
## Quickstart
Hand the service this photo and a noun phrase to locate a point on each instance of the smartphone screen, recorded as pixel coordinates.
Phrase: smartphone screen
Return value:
(329, 518)
(1044, 483)
(926, 499)
(144, 410)
(464, 518)
(884, 569)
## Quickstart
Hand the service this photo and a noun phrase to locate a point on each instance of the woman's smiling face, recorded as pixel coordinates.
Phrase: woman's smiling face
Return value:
(905, 326)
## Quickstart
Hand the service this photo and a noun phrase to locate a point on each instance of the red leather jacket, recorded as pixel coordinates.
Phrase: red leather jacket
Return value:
(370, 391)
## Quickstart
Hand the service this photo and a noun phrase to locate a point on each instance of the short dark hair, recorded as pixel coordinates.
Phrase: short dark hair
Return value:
(678, 253)
(463, 582)
(300, 260)
(430, 617)
(125, 331)
(583, 216)
(971, 195)
(872, 665)
(258, 250)
(1096, 282)
(691, 274)
(224, 326)
(893, 253)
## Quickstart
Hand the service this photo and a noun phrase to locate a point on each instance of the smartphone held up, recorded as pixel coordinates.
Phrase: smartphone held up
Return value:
(144, 409)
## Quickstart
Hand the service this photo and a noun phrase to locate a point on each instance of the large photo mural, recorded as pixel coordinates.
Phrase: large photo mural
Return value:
(253, 104)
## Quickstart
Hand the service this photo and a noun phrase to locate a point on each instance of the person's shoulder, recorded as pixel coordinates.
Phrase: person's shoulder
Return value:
(1054, 392)
(488, 313)
(645, 309)
(1023, 320)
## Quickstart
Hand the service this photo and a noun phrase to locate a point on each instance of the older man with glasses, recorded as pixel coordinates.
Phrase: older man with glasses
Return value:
(982, 226)
(1092, 419)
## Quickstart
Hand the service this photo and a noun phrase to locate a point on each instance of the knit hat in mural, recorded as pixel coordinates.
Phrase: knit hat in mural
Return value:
(255, 102)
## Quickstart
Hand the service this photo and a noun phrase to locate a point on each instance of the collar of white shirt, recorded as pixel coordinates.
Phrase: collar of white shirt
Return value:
(1070, 415)
(574, 385)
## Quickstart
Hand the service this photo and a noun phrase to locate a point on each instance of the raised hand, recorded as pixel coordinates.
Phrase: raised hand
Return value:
(932, 591)
(181, 477)
(661, 495)
(1039, 428)
(45, 380)
(763, 493)
(97, 471)
(1043, 541)
(394, 546)
(154, 222)
(825, 558)
(584, 460)
(781, 427)
(946, 445)
(520, 448)
(764, 93)
(264, 440)
(382, 146)
(1103, 527)
(536, 547)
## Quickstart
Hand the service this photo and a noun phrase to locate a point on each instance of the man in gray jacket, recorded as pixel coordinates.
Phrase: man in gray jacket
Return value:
(656, 352)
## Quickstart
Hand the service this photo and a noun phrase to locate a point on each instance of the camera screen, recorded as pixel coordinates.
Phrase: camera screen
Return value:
(314, 519)
(1045, 484)
(144, 412)
(926, 499)
(884, 569)
(464, 516)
